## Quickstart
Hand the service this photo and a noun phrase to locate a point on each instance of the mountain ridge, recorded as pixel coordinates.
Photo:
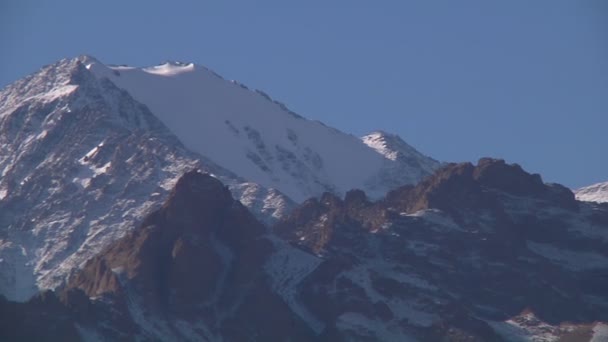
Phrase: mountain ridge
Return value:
(202, 268)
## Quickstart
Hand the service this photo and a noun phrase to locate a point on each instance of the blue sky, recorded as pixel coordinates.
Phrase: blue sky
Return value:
(526, 81)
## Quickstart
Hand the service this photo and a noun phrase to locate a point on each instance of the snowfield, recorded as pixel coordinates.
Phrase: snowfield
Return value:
(593, 193)
(255, 137)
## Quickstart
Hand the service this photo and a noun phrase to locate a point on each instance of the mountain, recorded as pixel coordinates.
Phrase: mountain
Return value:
(258, 138)
(593, 193)
(475, 252)
(88, 150)
(81, 163)
(404, 164)
(482, 252)
(193, 270)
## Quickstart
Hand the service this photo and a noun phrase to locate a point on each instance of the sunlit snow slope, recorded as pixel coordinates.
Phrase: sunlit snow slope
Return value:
(253, 136)
(593, 193)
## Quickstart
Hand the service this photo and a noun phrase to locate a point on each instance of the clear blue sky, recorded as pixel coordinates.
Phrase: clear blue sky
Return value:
(522, 80)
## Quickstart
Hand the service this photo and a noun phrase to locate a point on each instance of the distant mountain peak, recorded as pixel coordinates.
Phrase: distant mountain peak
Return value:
(593, 193)
(404, 164)
(196, 189)
(390, 145)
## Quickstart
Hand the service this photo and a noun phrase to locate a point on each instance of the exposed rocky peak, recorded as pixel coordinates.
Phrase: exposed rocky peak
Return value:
(356, 198)
(197, 194)
(451, 185)
(198, 212)
(201, 256)
(464, 185)
(510, 178)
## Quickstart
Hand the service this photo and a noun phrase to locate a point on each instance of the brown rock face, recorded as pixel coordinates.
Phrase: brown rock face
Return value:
(510, 178)
(176, 246)
(458, 186)
(199, 257)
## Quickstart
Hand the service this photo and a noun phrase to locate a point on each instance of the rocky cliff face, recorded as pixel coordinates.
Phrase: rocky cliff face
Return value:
(199, 258)
(466, 255)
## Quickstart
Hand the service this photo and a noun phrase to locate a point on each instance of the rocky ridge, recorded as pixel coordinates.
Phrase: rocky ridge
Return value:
(473, 253)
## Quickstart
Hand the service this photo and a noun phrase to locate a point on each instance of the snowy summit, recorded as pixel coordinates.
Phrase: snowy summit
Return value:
(255, 137)
(89, 149)
(593, 193)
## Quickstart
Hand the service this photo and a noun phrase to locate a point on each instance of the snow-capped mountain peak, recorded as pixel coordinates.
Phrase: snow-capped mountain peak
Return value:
(248, 133)
(593, 193)
(404, 164)
(386, 144)
(88, 149)
(392, 147)
(81, 161)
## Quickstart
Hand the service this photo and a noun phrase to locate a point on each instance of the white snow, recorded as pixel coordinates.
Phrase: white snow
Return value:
(247, 133)
(55, 93)
(377, 141)
(600, 333)
(593, 193)
(87, 174)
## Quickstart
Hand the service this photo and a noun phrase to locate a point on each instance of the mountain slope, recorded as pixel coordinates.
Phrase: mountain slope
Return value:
(199, 258)
(466, 255)
(593, 193)
(403, 163)
(81, 163)
(485, 251)
(193, 270)
(88, 150)
(257, 138)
